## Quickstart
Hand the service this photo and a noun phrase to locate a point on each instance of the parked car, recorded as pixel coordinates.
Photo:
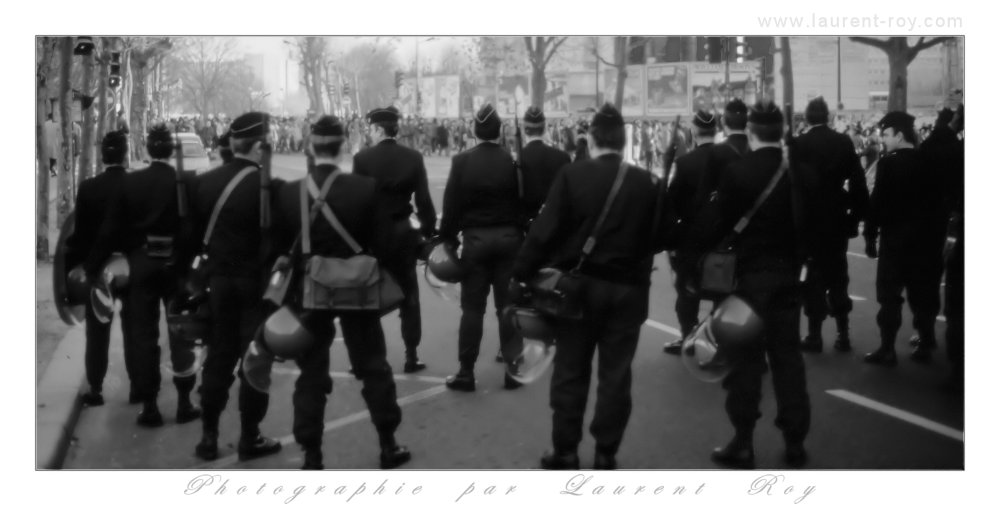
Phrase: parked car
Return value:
(196, 158)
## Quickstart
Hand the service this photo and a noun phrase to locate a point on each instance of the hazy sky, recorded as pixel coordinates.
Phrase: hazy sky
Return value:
(273, 47)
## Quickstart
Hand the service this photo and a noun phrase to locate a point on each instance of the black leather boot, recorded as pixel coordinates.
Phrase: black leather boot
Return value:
(843, 342)
(738, 454)
(464, 381)
(556, 461)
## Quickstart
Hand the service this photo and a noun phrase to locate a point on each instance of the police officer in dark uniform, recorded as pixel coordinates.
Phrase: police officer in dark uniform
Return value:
(907, 219)
(481, 201)
(769, 262)
(615, 291)
(145, 216)
(686, 197)
(401, 175)
(539, 162)
(837, 214)
(235, 269)
(720, 155)
(355, 201)
(92, 202)
(952, 154)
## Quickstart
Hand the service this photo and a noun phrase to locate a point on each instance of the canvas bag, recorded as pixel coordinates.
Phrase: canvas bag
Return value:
(356, 283)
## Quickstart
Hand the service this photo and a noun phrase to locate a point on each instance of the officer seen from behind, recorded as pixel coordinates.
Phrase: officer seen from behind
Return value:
(401, 176)
(614, 294)
(539, 162)
(481, 202)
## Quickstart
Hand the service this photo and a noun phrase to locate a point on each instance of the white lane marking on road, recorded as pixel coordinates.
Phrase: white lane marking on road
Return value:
(285, 371)
(905, 416)
(941, 318)
(859, 255)
(857, 297)
(665, 328)
(333, 424)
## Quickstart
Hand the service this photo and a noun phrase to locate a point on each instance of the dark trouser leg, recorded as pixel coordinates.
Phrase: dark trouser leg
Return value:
(96, 354)
(314, 383)
(888, 292)
(954, 309)
(570, 385)
(475, 289)
(235, 314)
(616, 347)
(144, 295)
(403, 268)
(789, 374)
(687, 304)
(508, 243)
(838, 280)
(365, 344)
(923, 284)
(743, 386)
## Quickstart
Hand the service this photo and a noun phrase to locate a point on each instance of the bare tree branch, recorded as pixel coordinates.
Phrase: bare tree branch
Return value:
(871, 41)
(921, 45)
(553, 47)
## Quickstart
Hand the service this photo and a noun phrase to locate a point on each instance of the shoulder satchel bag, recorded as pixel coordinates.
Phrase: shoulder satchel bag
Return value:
(283, 271)
(558, 293)
(356, 283)
(717, 268)
(197, 278)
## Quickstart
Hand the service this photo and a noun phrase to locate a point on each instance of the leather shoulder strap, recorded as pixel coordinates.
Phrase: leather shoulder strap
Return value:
(219, 204)
(591, 241)
(308, 214)
(332, 219)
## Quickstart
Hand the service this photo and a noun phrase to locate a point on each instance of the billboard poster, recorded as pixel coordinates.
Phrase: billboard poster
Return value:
(632, 105)
(556, 95)
(447, 96)
(667, 89)
(428, 98)
(512, 87)
(708, 84)
(407, 102)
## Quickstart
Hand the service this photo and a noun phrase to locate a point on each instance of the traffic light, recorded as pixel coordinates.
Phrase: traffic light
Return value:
(399, 79)
(714, 48)
(84, 46)
(346, 88)
(115, 70)
(741, 49)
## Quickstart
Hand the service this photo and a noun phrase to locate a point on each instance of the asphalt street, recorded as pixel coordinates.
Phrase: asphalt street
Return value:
(864, 417)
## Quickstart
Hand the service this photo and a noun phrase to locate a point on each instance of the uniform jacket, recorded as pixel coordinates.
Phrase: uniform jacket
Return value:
(624, 249)
(145, 205)
(685, 195)
(832, 156)
(235, 246)
(92, 201)
(539, 165)
(355, 201)
(907, 204)
(400, 173)
(481, 191)
(770, 240)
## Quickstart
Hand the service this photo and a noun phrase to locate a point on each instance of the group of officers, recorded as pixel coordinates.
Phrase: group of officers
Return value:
(511, 219)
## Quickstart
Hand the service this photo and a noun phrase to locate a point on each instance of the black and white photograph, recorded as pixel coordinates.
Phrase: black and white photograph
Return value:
(595, 260)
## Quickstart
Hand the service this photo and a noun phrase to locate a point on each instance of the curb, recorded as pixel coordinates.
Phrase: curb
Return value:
(57, 400)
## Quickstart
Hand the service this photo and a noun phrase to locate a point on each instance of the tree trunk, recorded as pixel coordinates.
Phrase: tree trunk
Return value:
(538, 86)
(64, 185)
(42, 167)
(139, 103)
(621, 43)
(102, 89)
(786, 75)
(897, 81)
(87, 120)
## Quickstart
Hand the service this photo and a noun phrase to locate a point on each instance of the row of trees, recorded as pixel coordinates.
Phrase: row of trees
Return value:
(159, 77)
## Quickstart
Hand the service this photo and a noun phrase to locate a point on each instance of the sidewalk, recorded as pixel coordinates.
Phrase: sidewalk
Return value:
(59, 373)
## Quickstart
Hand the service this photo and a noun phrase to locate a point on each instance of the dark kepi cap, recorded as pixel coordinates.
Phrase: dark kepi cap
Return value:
(534, 117)
(384, 115)
(160, 133)
(487, 115)
(328, 128)
(249, 125)
(114, 141)
(607, 117)
(765, 113)
(944, 117)
(897, 120)
(704, 120)
(817, 111)
(736, 107)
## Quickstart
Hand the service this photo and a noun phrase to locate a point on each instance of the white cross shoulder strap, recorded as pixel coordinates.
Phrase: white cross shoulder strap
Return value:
(319, 197)
(222, 201)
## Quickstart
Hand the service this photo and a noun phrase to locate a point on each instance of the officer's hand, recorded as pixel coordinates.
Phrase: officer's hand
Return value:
(870, 249)
(517, 291)
(77, 275)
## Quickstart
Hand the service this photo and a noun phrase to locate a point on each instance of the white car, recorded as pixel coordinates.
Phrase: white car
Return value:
(195, 157)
